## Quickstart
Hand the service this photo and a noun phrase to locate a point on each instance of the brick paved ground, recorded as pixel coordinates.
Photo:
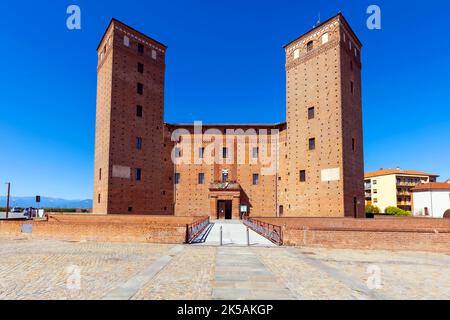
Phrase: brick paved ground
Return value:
(48, 270)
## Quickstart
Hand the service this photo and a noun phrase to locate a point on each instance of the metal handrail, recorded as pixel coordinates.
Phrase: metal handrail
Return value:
(195, 229)
(271, 232)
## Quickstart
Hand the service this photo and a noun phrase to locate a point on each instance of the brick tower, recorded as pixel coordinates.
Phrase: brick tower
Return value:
(324, 166)
(130, 175)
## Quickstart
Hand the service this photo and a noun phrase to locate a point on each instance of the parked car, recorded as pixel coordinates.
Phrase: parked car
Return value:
(16, 210)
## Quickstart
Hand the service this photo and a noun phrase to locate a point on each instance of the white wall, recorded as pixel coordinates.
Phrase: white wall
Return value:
(440, 200)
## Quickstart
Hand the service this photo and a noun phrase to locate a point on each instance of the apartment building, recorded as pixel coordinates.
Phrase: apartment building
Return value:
(392, 187)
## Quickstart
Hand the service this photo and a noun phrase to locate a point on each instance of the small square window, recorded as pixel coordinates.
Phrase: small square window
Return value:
(255, 153)
(201, 178)
(296, 53)
(126, 41)
(140, 88)
(310, 46)
(138, 174)
(140, 68)
(140, 48)
(312, 144)
(139, 143)
(311, 113)
(139, 111)
(302, 175)
(177, 153)
(225, 153)
(130, 209)
(255, 179)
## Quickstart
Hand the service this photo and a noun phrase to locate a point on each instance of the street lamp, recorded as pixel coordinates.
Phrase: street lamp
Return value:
(7, 199)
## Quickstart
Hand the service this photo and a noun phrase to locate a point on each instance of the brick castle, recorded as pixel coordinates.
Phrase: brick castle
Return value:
(310, 166)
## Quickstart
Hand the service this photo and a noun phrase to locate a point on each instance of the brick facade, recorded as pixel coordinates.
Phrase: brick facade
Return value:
(146, 179)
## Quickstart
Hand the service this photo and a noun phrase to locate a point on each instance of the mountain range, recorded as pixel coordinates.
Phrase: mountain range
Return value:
(54, 203)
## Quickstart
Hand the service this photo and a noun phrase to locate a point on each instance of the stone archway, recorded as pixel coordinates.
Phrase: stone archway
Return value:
(447, 214)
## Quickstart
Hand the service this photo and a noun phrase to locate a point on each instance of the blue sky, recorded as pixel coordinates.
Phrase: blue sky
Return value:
(222, 55)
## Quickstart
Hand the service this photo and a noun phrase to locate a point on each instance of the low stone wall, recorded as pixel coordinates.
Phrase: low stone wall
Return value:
(140, 229)
(383, 234)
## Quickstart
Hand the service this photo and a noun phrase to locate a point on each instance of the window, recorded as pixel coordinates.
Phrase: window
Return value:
(139, 112)
(225, 176)
(225, 153)
(255, 179)
(201, 153)
(375, 200)
(325, 38)
(138, 174)
(353, 144)
(375, 191)
(100, 174)
(281, 211)
(177, 178)
(296, 53)
(310, 46)
(139, 143)
(302, 175)
(140, 68)
(311, 113)
(177, 153)
(140, 48)
(140, 88)
(312, 144)
(154, 56)
(130, 209)
(352, 87)
(255, 153)
(374, 182)
(99, 198)
(126, 41)
(201, 178)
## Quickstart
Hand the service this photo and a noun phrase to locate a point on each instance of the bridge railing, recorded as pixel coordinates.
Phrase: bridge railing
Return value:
(272, 232)
(195, 229)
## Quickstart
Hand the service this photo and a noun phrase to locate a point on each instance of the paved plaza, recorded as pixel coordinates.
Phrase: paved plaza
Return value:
(32, 269)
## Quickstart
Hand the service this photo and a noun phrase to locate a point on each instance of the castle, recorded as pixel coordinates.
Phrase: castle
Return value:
(309, 166)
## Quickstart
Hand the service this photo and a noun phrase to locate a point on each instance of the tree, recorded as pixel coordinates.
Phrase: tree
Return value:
(372, 209)
(394, 211)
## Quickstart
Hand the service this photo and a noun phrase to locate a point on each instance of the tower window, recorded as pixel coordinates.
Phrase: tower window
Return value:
(100, 174)
(139, 143)
(312, 144)
(126, 41)
(140, 68)
(201, 178)
(130, 209)
(255, 153)
(140, 88)
(325, 38)
(296, 53)
(139, 111)
(154, 55)
(302, 175)
(99, 198)
(138, 174)
(225, 153)
(201, 153)
(177, 178)
(177, 153)
(140, 48)
(353, 144)
(255, 179)
(311, 113)
(310, 46)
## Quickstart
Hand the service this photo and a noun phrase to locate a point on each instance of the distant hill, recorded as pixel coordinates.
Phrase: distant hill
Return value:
(26, 202)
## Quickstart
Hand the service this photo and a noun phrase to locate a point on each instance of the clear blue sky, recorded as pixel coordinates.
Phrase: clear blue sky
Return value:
(222, 55)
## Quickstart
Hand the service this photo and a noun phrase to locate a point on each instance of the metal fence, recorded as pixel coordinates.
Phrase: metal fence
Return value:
(195, 229)
(272, 232)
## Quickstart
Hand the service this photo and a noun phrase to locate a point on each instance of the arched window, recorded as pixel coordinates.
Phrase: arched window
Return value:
(325, 38)
(297, 53)
(310, 46)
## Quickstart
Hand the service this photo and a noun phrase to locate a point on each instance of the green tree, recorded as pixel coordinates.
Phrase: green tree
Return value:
(394, 211)
(372, 209)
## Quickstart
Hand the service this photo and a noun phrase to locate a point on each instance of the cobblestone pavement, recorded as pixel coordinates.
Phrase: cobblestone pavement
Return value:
(65, 270)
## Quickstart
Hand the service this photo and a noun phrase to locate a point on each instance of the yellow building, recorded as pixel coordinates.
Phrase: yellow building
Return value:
(392, 187)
